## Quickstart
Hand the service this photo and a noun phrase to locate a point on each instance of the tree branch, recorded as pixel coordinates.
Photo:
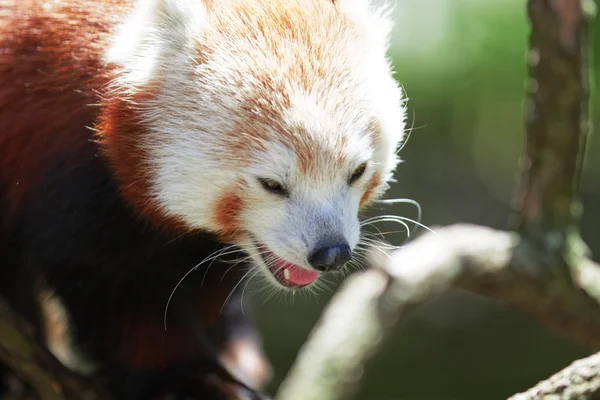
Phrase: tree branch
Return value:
(557, 125)
(556, 119)
(543, 269)
(363, 313)
(32, 362)
(579, 381)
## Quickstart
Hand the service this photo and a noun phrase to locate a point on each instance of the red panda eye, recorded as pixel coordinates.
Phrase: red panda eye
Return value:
(272, 186)
(358, 173)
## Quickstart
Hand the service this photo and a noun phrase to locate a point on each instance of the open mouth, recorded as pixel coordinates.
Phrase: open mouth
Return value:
(287, 274)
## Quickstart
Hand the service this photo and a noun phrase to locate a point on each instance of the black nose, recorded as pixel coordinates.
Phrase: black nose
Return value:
(330, 258)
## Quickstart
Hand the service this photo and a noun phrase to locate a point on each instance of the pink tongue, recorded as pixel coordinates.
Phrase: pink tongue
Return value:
(300, 276)
(296, 276)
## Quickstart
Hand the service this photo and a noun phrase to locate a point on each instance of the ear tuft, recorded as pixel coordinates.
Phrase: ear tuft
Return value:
(187, 15)
(155, 31)
(375, 16)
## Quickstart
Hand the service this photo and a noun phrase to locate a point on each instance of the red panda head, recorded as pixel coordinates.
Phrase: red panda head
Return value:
(268, 122)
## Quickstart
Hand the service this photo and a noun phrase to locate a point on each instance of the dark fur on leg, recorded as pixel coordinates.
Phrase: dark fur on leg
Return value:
(89, 256)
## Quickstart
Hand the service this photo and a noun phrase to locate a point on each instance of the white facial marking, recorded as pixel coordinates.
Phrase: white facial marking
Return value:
(241, 98)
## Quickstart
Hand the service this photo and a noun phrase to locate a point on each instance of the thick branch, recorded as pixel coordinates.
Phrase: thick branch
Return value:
(364, 312)
(557, 122)
(20, 351)
(556, 119)
(579, 381)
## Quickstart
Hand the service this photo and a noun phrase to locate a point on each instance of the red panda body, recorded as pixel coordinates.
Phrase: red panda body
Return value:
(51, 75)
(146, 144)
(65, 229)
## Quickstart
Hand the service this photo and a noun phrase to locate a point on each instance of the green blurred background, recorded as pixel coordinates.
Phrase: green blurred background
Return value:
(462, 63)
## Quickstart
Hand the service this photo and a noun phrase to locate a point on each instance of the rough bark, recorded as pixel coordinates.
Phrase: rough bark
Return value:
(34, 364)
(579, 381)
(371, 303)
(556, 119)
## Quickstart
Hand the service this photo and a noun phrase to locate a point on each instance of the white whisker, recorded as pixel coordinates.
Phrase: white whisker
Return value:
(212, 256)
(235, 287)
(224, 252)
(244, 289)
(387, 218)
(405, 201)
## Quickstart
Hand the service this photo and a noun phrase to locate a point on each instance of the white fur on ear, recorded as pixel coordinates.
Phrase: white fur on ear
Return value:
(374, 16)
(156, 30)
(181, 17)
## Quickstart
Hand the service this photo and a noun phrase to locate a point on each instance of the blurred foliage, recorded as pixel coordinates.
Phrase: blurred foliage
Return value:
(462, 64)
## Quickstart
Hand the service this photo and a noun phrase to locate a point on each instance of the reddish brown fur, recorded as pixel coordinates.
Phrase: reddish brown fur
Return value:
(370, 189)
(54, 55)
(52, 63)
(312, 64)
(227, 214)
(265, 117)
(145, 345)
(307, 153)
(120, 131)
(51, 56)
(375, 130)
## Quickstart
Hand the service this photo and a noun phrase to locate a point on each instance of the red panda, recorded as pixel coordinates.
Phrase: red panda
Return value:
(143, 140)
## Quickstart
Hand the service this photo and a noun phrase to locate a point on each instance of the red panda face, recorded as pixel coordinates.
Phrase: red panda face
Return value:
(297, 223)
(272, 123)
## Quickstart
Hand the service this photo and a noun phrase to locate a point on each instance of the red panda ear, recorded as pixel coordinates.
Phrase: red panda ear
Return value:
(185, 14)
(374, 16)
(155, 31)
